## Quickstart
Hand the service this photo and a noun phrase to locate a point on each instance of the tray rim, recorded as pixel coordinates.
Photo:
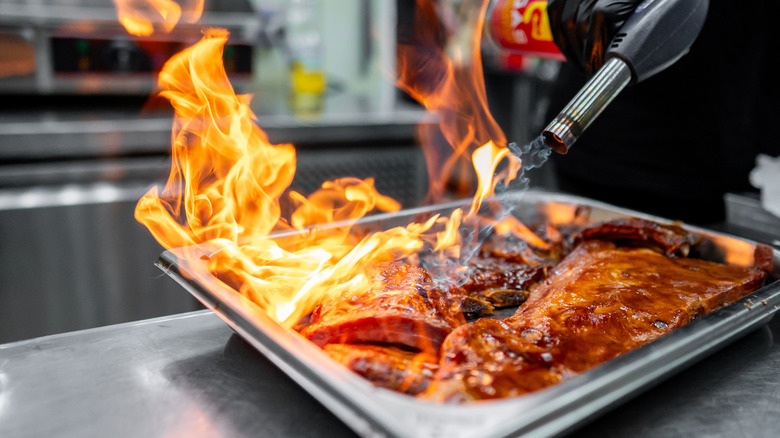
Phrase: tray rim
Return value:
(372, 411)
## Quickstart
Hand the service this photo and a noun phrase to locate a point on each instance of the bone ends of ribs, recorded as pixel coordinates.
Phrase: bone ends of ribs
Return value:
(671, 239)
(599, 302)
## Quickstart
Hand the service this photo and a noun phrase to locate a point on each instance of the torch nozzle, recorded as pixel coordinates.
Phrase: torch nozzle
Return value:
(558, 136)
(589, 102)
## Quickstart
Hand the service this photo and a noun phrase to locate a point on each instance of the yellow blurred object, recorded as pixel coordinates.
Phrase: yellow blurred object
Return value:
(306, 81)
(306, 60)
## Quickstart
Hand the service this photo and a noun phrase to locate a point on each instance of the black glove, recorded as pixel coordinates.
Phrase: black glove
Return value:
(582, 29)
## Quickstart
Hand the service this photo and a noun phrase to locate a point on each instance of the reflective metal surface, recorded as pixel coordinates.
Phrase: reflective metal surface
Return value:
(190, 376)
(746, 217)
(182, 376)
(73, 257)
(733, 393)
(372, 411)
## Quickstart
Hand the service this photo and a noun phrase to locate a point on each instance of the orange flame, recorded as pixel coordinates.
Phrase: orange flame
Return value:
(486, 159)
(225, 188)
(511, 225)
(442, 69)
(227, 182)
(140, 17)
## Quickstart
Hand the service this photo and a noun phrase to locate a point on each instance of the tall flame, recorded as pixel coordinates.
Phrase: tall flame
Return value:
(140, 17)
(440, 66)
(227, 183)
(225, 187)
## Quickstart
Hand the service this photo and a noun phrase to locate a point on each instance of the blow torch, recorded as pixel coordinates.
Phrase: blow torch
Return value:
(655, 36)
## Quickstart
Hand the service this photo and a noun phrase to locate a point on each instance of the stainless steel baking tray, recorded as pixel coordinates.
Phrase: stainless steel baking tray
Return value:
(373, 411)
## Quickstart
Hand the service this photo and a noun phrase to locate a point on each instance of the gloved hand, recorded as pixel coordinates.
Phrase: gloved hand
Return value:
(582, 29)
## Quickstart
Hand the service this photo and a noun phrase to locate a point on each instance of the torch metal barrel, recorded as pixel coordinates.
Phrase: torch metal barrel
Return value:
(589, 102)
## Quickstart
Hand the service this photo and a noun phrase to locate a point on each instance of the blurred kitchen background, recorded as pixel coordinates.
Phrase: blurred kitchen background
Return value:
(81, 141)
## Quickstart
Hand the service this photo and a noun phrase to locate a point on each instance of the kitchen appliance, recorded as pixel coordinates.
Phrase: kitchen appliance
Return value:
(79, 46)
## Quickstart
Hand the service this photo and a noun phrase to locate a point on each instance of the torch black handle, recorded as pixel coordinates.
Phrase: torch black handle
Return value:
(657, 34)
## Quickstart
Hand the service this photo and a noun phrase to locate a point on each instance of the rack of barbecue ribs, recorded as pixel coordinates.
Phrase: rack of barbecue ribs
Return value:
(613, 287)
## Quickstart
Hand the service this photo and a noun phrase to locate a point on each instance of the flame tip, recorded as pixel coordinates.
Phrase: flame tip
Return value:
(228, 183)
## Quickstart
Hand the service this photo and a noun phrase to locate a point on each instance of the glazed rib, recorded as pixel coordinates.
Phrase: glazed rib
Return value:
(669, 239)
(401, 307)
(600, 302)
(499, 282)
(503, 274)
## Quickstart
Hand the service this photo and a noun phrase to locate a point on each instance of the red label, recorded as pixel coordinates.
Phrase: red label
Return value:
(523, 26)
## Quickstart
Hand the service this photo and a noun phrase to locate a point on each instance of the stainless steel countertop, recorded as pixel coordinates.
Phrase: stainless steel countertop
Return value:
(186, 375)
(189, 375)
